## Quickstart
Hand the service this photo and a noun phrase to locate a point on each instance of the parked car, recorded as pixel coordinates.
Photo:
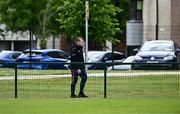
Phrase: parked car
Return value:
(126, 66)
(43, 56)
(8, 56)
(160, 51)
(103, 56)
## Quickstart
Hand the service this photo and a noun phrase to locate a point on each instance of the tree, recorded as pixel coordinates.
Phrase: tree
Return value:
(44, 18)
(122, 17)
(102, 22)
(18, 14)
(47, 21)
(34, 15)
(1, 32)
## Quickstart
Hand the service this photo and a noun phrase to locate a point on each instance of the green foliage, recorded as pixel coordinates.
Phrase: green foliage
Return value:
(102, 22)
(18, 15)
(50, 17)
(1, 32)
(122, 17)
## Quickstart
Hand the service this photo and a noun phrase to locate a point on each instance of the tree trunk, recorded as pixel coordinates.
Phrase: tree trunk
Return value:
(43, 43)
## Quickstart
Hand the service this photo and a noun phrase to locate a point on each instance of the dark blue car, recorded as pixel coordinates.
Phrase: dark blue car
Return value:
(7, 57)
(43, 56)
(161, 52)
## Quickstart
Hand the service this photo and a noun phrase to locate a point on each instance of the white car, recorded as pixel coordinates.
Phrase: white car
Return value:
(101, 56)
(127, 66)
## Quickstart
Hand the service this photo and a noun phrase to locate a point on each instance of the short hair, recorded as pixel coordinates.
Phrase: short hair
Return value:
(78, 39)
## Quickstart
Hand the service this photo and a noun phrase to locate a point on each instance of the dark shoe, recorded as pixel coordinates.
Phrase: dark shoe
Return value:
(82, 95)
(74, 96)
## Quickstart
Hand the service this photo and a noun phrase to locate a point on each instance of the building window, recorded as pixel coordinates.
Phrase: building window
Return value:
(136, 7)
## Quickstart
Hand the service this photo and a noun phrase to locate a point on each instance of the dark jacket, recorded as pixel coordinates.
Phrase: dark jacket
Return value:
(77, 56)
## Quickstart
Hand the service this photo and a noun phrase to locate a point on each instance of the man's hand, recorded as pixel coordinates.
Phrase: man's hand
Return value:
(79, 71)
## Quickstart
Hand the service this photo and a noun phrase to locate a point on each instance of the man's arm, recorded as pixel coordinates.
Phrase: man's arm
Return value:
(73, 55)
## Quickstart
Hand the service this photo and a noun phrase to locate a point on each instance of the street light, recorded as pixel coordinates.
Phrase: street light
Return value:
(157, 18)
(30, 46)
(86, 31)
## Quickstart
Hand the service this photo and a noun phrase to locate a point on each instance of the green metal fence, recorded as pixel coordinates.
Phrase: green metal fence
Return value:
(102, 83)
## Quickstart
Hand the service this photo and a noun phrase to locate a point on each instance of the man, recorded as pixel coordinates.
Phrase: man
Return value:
(78, 69)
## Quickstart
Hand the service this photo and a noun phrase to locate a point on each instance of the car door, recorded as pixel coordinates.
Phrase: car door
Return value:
(109, 57)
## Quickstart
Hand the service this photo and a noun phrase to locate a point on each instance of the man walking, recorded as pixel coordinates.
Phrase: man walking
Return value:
(78, 69)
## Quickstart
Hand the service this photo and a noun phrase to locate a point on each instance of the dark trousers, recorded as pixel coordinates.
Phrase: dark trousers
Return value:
(75, 75)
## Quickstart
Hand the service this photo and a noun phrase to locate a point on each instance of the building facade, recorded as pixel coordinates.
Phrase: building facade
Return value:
(15, 41)
(21, 41)
(153, 20)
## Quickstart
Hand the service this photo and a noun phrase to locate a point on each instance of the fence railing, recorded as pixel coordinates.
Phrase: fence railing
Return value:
(104, 81)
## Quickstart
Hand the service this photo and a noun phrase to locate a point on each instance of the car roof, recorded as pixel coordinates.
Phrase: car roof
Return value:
(104, 52)
(7, 51)
(165, 41)
(43, 50)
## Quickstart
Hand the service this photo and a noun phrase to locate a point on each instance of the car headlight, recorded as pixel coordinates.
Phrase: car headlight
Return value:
(168, 58)
(138, 58)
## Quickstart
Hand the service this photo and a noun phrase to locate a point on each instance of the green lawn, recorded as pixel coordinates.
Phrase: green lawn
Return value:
(166, 86)
(150, 94)
(89, 106)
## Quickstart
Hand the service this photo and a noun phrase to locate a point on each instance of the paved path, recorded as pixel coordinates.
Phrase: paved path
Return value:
(117, 74)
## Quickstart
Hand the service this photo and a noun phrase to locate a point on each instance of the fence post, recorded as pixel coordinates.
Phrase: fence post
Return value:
(16, 82)
(105, 83)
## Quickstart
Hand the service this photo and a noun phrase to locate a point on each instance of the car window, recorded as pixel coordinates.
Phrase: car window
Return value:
(53, 54)
(57, 55)
(15, 55)
(33, 53)
(118, 56)
(107, 57)
(62, 55)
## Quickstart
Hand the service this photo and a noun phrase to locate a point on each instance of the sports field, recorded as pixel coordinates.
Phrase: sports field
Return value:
(89, 106)
(128, 92)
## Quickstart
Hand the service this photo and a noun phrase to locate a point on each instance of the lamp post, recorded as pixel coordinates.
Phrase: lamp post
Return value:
(86, 31)
(30, 46)
(157, 19)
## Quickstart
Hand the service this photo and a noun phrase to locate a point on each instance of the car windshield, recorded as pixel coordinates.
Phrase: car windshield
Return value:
(157, 46)
(4, 55)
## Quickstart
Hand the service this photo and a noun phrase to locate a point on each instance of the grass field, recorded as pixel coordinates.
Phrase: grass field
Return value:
(150, 94)
(24, 72)
(88, 106)
(167, 86)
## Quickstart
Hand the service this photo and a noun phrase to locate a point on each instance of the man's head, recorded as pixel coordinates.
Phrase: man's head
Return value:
(79, 42)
